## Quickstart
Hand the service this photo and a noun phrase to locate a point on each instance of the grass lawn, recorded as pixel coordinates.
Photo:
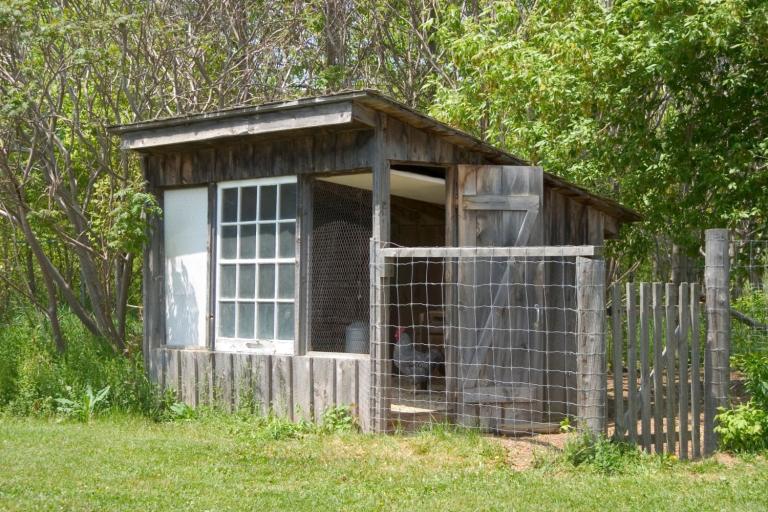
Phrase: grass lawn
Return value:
(225, 464)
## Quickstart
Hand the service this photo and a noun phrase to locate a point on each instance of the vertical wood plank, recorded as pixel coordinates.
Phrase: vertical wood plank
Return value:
(324, 395)
(671, 402)
(346, 383)
(282, 380)
(212, 262)
(645, 370)
(204, 377)
(695, 371)
(618, 360)
(303, 388)
(591, 389)
(241, 381)
(172, 370)
(364, 408)
(261, 377)
(716, 364)
(188, 377)
(632, 402)
(303, 282)
(222, 380)
(682, 351)
(658, 367)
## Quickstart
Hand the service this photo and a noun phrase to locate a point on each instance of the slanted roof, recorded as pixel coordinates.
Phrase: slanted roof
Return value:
(341, 110)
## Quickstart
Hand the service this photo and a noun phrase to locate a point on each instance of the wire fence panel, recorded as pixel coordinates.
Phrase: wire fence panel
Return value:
(749, 297)
(482, 338)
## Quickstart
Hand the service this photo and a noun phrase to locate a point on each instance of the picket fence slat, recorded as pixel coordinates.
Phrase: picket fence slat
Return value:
(618, 360)
(658, 374)
(671, 303)
(645, 370)
(632, 362)
(695, 371)
(683, 366)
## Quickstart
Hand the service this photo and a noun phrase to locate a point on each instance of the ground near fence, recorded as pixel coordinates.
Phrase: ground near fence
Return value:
(223, 464)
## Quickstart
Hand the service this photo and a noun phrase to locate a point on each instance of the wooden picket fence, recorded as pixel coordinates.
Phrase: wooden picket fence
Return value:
(657, 367)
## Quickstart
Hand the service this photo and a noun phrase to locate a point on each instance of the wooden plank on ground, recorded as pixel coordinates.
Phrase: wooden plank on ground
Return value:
(684, 312)
(618, 360)
(645, 371)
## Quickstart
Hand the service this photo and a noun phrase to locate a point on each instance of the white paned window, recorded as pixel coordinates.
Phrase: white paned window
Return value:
(256, 265)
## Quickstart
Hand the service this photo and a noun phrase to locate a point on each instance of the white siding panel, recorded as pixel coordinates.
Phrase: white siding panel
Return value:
(186, 266)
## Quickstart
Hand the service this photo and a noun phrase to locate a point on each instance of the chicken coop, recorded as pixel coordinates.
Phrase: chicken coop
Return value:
(348, 250)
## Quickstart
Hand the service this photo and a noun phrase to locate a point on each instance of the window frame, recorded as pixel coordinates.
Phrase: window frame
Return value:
(255, 345)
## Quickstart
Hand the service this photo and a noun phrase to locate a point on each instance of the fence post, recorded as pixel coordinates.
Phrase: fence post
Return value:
(716, 367)
(591, 360)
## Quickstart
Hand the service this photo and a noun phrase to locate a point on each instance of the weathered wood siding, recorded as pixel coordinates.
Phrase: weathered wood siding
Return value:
(294, 387)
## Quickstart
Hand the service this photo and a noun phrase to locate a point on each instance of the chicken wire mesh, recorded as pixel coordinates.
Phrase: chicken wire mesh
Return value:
(749, 297)
(339, 268)
(478, 341)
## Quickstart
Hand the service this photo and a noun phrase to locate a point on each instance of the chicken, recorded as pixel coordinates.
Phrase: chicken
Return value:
(414, 363)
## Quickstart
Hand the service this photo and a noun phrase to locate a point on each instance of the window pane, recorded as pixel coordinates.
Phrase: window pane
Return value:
(266, 281)
(266, 321)
(229, 205)
(267, 241)
(248, 241)
(248, 203)
(245, 311)
(247, 281)
(285, 276)
(227, 319)
(287, 239)
(227, 286)
(288, 201)
(268, 206)
(285, 321)
(229, 242)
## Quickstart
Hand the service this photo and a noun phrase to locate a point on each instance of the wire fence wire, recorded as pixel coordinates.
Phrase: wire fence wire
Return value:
(478, 341)
(749, 297)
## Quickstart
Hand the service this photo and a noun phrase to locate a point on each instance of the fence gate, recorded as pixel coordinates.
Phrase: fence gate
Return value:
(505, 340)
(669, 351)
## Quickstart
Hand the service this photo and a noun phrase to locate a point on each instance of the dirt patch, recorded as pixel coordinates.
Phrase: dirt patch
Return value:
(522, 452)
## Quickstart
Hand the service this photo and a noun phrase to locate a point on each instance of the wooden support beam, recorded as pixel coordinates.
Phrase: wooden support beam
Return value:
(591, 370)
(716, 367)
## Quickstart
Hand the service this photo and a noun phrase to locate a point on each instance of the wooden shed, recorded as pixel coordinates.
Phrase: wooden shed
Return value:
(258, 277)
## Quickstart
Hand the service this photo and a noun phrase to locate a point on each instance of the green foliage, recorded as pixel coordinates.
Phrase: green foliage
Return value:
(339, 419)
(600, 453)
(755, 369)
(743, 429)
(658, 104)
(33, 374)
(82, 407)
(753, 302)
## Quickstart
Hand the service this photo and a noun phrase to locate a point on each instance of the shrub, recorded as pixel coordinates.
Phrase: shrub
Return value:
(604, 455)
(755, 369)
(33, 374)
(743, 429)
(339, 419)
(84, 407)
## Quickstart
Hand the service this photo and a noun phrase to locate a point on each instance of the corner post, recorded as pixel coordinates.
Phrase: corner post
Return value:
(716, 366)
(591, 384)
